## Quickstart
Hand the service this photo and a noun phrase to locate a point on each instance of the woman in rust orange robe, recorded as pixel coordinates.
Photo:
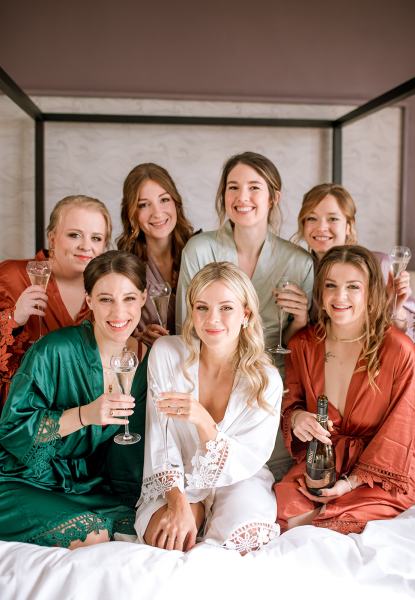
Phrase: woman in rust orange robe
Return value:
(367, 370)
(79, 229)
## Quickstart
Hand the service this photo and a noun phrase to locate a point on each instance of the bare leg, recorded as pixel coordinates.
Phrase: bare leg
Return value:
(304, 519)
(91, 539)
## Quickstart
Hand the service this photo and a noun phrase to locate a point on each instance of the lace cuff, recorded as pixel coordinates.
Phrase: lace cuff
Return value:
(251, 536)
(10, 342)
(161, 483)
(207, 468)
(390, 482)
(45, 444)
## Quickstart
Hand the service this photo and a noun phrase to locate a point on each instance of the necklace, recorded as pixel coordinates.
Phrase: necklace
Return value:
(336, 339)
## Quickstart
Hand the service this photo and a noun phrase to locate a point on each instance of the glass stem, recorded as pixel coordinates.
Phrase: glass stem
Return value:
(281, 315)
(166, 455)
(127, 430)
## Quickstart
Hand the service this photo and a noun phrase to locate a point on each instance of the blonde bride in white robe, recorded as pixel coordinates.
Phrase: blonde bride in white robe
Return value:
(215, 393)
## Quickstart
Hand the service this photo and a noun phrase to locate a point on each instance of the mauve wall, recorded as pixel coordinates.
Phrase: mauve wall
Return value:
(321, 52)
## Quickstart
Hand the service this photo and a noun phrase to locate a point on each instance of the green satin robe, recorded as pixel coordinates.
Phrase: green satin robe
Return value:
(55, 490)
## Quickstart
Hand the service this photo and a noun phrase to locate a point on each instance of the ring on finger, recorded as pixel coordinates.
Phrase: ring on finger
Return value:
(112, 412)
(179, 411)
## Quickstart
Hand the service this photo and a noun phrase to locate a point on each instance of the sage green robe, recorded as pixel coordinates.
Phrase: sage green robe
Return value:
(55, 490)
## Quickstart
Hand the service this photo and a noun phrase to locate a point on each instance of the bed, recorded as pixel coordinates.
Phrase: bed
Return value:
(379, 563)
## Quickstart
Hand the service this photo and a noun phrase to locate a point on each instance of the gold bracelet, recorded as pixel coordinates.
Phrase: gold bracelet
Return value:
(293, 419)
(348, 481)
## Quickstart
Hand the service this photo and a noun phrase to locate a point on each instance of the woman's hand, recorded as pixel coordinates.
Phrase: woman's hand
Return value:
(399, 286)
(108, 409)
(294, 301)
(152, 332)
(175, 529)
(32, 301)
(305, 426)
(184, 407)
(325, 495)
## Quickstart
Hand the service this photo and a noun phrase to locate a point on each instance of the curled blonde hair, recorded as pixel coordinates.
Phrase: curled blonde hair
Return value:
(377, 320)
(267, 170)
(314, 196)
(249, 359)
(84, 202)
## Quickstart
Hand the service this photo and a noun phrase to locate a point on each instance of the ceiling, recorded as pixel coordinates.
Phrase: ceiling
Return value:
(272, 50)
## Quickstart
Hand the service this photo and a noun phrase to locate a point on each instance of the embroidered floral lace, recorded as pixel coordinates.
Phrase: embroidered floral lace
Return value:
(207, 468)
(75, 529)
(161, 483)
(389, 481)
(12, 347)
(45, 444)
(251, 536)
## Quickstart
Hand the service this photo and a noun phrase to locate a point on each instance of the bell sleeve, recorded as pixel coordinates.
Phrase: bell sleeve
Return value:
(389, 456)
(29, 428)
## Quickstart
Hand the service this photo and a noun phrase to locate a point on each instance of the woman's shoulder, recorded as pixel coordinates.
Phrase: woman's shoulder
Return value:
(168, 344)
(202, 240)
(291, 250)
(396, 343)
(306, 336)
(67, 336)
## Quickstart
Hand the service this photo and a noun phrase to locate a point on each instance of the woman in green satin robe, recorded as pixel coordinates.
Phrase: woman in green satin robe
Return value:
(63, 481)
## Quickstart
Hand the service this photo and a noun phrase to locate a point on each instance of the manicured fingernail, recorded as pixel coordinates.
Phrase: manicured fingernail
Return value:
(318, 492)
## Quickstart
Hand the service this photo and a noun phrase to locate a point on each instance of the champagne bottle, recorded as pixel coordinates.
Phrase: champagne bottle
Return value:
(320, 459)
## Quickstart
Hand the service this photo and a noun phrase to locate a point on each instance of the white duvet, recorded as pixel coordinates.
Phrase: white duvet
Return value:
(306, 562)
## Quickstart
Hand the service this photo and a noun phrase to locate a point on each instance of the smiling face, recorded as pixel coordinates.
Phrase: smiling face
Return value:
(345, 296)
(247, 198)
(325, 226)
(157, 214)
(79, 236)
(116, 303)
(218, 315)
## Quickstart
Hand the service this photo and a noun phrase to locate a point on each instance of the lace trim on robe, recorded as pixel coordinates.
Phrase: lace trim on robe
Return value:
(45, 445)
(344, 527)
(391, 482)
(73, 530)
(160, 483)
(251, 536)
(207, 468)
(9, 361)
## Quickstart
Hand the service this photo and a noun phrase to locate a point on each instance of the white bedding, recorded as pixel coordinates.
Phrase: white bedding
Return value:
(305, 562)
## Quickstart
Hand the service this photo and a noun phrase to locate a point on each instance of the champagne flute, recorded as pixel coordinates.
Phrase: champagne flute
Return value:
(279, 348)
(155, 393)
(39, 272)
(160, 296)
(399, 258)
(124, 366)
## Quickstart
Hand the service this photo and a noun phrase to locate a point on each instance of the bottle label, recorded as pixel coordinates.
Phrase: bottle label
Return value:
(316, 479)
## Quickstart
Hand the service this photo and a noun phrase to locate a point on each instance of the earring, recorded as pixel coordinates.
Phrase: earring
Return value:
(245, 322)
(51, 252)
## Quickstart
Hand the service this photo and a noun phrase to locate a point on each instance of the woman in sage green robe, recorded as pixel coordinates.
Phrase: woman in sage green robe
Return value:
(57, 489)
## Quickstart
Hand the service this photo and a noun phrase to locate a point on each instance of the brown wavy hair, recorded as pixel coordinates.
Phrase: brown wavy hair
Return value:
(377, 319)
(132, 239)
(267, 170)
(250, 359)
(314, 196)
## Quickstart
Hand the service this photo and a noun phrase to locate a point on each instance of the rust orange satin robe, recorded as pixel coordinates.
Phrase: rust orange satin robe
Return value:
(15, 340)
(375, 438)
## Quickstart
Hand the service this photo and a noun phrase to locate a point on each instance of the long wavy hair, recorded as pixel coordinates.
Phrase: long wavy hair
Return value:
(249, 359)
(267, 170)
(132, 239)
(314, 196)
(377, 320)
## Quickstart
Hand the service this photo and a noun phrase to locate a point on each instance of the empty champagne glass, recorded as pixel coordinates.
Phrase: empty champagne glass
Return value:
(124, 366)
(163, 422)
(279, 348)
(399, 258)
(39, 272)
(160, 296)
